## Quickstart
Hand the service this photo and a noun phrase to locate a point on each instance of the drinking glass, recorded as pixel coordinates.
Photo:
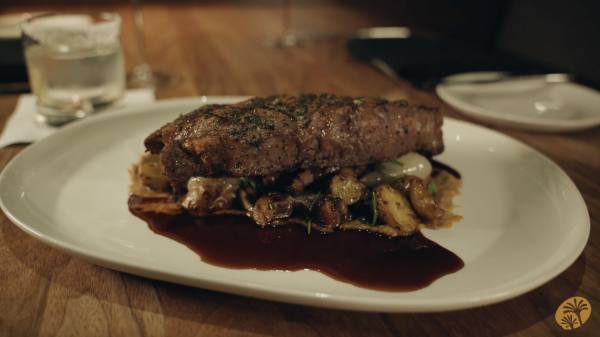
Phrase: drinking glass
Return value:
(75, 64)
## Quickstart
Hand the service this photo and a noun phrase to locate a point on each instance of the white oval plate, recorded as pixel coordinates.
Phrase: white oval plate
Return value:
(524, 220)
(525, 104)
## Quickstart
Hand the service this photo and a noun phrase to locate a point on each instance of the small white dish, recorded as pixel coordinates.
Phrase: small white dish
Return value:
(526, 104)
(524, 222)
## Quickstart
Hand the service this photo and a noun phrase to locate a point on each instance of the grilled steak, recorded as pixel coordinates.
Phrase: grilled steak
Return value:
(266, 135)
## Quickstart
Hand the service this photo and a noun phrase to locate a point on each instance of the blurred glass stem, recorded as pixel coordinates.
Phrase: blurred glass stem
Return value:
(288, 37)
(142, 70)
(142, 76)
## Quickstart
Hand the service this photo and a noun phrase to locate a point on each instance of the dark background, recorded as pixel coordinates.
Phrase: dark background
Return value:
(560, 34)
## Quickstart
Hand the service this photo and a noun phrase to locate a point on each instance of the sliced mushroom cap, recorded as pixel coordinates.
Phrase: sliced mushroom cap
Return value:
(272, 206)
(329, 211)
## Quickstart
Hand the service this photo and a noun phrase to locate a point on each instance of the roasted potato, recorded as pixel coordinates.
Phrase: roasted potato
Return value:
(403, 185)
(346, 187)
(394, 209)
(421, 200)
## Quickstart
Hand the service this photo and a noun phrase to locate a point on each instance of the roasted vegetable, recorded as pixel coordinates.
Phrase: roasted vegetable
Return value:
(272, 206)
(387, 173)
(395, 210)
(151, 173)
(379, 198)
(329, 211)
(346, 187)
(421, 199)
(210, 194)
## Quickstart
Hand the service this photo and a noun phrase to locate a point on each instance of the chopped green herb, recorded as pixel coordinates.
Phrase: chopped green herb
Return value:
(358, 102)
(249, 181)
(256, 142)
(379, 168)
(399, 163)
(431, 188)
(374, 205)
(255, 119)
(270, 124)
(397, 132)
(314, 200)
(405, 128)
(322, 94)
(309, 225)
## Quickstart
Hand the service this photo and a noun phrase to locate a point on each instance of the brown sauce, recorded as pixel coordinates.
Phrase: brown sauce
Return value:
(362, 259)
(441, 166)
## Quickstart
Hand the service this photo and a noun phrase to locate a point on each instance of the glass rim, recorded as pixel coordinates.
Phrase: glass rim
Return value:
(108, 20)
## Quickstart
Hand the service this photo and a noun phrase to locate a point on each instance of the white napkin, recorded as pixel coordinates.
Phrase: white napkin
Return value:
(21, 126)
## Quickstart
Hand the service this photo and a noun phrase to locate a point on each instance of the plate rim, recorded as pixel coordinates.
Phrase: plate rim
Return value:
(267, 292)
(516, 121)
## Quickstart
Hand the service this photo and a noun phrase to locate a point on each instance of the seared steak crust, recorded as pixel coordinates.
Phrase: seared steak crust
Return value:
(262, 136)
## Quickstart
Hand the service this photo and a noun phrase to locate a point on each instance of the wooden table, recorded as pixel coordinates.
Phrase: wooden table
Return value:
(218, 50)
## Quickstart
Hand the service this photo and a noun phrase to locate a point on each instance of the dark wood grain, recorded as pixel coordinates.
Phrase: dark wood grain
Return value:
(218, 49)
